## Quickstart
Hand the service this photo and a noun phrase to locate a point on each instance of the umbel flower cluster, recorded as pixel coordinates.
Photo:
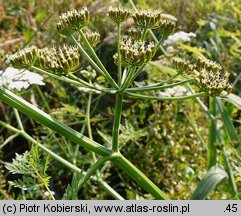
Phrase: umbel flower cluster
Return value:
(210, 76)
(133, 51)
(73, 21)
(92, 37)
(24, 58)
(183, 66)
(136, 52)
(145, 19)
(119, 15)
(59, 60)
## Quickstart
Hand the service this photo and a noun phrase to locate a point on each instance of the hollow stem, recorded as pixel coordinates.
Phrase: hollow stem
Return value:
(116, 125)
(119, 54)
(140, 178)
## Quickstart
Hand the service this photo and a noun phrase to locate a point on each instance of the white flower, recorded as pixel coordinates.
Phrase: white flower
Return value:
(19, 79)
(176, 91)
(179, 36)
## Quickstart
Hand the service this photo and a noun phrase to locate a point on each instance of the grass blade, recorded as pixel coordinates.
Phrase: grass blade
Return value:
(228, 124)
(212, 179)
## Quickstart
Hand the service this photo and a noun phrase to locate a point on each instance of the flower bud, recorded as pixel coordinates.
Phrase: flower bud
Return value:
(167, 27)
(24, 58)
(212, 78)
(92, 37)
(72, 21)
(136, 52)
(60, 60)
(89, 73)
(134, 33)
(119, 15)
(183, 66)
(147, 19)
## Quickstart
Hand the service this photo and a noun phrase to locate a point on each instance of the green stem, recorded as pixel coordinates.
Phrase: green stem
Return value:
(139, 177)
(110, 190)
(9, 139)
(137, 73)
(119, 54)
(18, 119)
(89, 125)
(45, 185)
(148, 97)
(202, 105)
(91, 61)
(43, 98)
(92, 170)
(75, 81)
(143, 36)
(45, 119)
(93, 86)
(212, 151)
(151, 87)
(156, 40)
(97, 60)
(87, 116)
(37, 114)
(163, 37)
(128, 78)
(116, 126)
(166, 81)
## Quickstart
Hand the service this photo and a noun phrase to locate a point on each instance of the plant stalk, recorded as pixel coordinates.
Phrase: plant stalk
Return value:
(148, 97)
(140, 178)
(116, 125)
(151, 87)
(97, 60)
(119, 54)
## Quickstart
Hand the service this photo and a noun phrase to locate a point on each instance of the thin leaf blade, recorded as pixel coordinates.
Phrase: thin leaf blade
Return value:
(212, 179)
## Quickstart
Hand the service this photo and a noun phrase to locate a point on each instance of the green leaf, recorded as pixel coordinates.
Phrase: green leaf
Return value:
(20, 165)
(228, 124)
(71, 192)
(212, 179)
(27, 183)
(234, 99)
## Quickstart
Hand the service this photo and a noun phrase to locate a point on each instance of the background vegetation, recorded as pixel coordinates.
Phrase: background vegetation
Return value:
(168, 141)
